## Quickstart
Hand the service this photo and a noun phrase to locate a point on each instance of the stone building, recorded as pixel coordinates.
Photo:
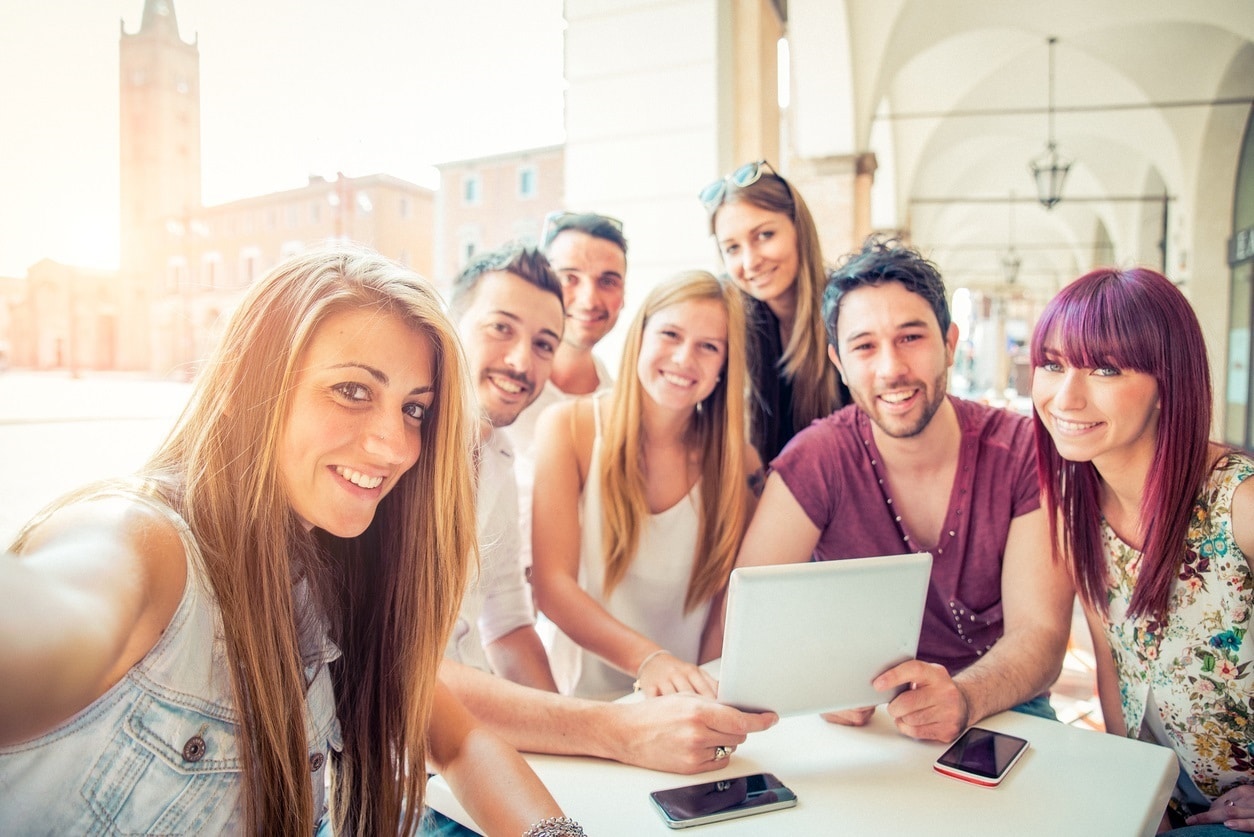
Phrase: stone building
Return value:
(182, 264)
(486, 201)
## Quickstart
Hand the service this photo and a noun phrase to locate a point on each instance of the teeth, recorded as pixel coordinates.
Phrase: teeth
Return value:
(358, 478)
(676, 380)
(897, 397)
(512, 387)
(1073, 426)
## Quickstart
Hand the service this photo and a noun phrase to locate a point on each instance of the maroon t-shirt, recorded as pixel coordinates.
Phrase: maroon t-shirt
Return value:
(833, 468)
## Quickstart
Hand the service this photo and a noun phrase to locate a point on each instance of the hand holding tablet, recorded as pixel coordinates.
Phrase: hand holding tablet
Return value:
(806, 638)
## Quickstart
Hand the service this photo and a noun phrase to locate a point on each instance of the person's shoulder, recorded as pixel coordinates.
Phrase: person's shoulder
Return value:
(825, 436)
(109, 517)
(557, 411)
(1234, 461)
(570, 421)
(842, 424)
(992, 424)
(118, 536)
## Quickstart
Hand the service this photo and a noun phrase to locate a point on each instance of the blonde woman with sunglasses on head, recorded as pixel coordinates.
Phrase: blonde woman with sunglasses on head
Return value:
(770, 248)
(660, 472)
(193, 650)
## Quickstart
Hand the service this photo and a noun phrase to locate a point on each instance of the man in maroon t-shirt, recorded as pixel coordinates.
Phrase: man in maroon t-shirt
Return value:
(908, 468)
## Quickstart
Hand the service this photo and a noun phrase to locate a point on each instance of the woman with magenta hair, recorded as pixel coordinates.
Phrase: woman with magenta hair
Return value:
(1157, 524)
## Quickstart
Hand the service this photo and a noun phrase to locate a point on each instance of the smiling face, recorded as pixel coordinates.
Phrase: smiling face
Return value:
(510, 332)
(592, 273)
(893, 357)
(1103, 415)
(759, 249)
(354, 423)
(682, 353)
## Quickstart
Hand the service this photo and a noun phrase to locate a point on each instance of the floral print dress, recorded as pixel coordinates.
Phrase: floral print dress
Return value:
(1199, 663)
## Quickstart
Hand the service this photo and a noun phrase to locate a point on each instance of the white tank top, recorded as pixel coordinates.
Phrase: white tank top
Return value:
(650, 597)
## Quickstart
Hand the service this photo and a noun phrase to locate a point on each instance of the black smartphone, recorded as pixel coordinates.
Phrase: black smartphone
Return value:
(981, 756)
(722, 800)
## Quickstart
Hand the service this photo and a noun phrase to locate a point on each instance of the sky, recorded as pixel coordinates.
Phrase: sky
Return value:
(289, 88)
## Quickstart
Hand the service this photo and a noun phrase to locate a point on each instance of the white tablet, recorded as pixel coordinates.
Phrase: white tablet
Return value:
(804, 638)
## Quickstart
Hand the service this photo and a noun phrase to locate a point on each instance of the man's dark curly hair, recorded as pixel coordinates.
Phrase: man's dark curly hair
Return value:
(880, 261)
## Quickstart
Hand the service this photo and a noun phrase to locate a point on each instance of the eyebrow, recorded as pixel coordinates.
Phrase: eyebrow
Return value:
(379, 375)
(510, 315)
(674, 326)
(571, 269)
(752, 230)
(899, 327)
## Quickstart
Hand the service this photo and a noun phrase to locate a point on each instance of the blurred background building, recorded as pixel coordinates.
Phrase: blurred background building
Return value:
(487, 201)
(1017, 143)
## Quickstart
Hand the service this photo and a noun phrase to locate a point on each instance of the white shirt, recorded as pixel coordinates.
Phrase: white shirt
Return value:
(522, 433)
(649, 598)
(497, 600)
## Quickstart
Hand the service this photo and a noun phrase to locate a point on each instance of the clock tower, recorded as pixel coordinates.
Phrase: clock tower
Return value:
(160, 165)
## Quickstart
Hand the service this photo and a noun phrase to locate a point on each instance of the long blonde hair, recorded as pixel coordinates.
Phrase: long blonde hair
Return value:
(390, 594)
(718, 428)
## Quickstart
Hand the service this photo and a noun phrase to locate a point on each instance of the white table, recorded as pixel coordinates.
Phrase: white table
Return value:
(873, 780)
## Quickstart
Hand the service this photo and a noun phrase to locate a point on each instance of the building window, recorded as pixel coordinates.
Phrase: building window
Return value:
(472, 186)
(527, 182)
(176, 275)
(315, 212)
(403, 208)
(293, 215)
(468, 239)
(211, 271)
(249, 266)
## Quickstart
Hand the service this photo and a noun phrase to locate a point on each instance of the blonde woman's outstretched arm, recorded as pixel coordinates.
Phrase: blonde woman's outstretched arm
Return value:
(89, 595)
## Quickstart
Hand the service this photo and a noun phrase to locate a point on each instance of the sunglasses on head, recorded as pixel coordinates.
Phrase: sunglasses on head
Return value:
(558, 219)
(748, 174)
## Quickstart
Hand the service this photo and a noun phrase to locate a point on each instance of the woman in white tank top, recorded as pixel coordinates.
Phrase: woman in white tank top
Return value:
(660, 472)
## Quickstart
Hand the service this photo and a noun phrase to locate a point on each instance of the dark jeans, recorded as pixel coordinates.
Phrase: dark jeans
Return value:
(435, 824)
(1038, 706)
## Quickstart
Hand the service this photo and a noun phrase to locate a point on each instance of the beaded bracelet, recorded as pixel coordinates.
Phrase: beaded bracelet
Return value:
(555, 827)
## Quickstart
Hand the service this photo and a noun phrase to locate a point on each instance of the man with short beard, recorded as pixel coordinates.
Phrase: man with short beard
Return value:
(908, 468)
(588, 252)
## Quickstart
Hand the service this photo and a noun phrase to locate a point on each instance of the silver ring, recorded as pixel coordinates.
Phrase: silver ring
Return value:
(721, 753)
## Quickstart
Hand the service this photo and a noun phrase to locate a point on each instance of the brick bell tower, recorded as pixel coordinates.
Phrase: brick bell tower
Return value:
(160, 166)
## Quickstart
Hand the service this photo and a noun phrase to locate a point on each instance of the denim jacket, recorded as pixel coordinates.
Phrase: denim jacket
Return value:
(158, 753)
